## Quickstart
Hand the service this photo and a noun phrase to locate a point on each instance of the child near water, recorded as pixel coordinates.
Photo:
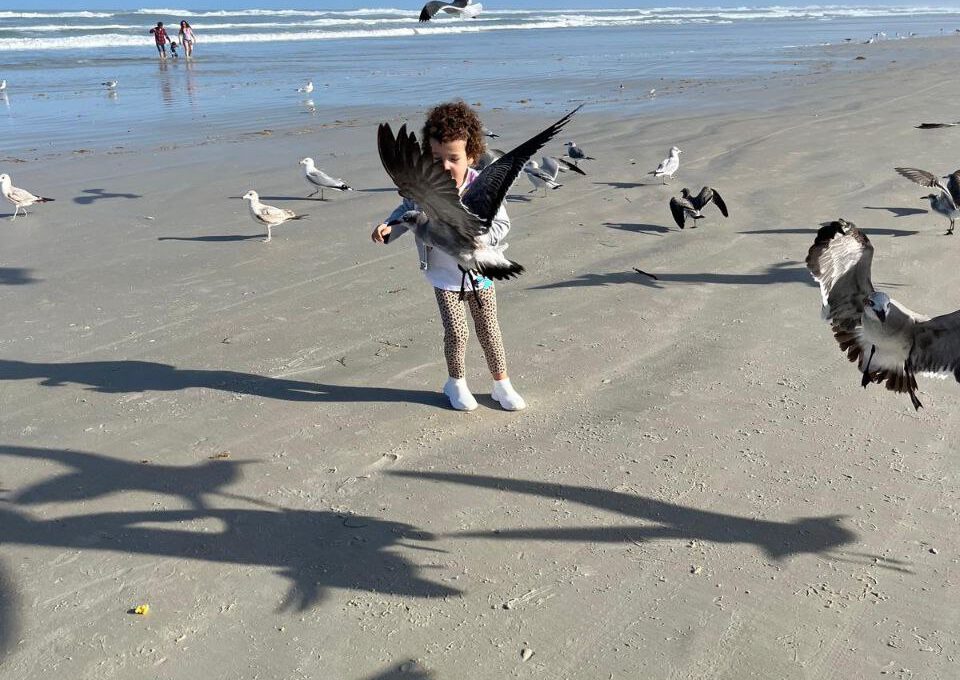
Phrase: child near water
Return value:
(453, 134)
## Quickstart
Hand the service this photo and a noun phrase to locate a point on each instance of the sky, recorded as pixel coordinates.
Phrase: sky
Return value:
(14, 5)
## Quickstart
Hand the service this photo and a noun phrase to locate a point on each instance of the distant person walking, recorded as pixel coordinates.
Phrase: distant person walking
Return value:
(186, 38)
(160, 37)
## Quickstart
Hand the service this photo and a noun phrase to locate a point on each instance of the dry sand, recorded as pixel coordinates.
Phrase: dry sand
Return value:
(250, 439)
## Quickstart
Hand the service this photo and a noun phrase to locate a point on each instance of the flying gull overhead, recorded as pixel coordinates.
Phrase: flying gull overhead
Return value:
(543, 175)
(268, 215)
(889, 343)
(668, 165)
(21, 198)
(689, 206)
(319, 180)
(457, 224)
(306, 89)
(462, 8)
(947, 201)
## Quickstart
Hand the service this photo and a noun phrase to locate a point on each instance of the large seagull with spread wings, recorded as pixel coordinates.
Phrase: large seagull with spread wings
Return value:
(890, 343)
(457, 224)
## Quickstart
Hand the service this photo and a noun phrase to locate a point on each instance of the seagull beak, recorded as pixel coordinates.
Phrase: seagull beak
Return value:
(882, 315)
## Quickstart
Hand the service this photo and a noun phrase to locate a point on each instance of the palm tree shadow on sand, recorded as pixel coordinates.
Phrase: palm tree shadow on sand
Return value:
(113, 377)
(778, 540)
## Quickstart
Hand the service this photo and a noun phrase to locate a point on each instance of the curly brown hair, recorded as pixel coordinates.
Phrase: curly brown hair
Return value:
(454, 120)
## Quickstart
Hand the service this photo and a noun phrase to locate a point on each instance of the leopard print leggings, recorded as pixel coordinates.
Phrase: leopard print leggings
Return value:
(456, 332)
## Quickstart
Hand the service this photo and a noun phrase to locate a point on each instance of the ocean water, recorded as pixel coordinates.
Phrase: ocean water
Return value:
(249, 63)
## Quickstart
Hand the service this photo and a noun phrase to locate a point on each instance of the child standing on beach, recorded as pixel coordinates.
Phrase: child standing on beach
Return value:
(453, 133)
(160, 37)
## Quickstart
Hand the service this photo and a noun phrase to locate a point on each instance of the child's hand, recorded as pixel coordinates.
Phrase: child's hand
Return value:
(381, 232)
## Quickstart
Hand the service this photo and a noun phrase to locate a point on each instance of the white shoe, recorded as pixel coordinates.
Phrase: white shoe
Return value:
(504, 393)
(459, 394)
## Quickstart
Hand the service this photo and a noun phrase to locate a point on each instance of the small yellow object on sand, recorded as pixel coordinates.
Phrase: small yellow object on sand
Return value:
(142, 609)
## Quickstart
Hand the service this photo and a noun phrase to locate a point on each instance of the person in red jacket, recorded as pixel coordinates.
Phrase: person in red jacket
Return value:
(160, 36)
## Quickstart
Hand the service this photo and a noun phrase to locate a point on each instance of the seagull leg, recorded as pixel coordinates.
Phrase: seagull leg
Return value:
(866, 371)
(15, 211)
(269, 234)
(463, 284)
(950, 230)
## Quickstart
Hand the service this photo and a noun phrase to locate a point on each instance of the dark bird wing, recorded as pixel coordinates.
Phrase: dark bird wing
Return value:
(431, 8)
(953, 186)
(679, 209)
(426, 183)
(840, 260)
(571, 166)
(923, 178)
(934, 126)
(706, 195)
(936, 346)
(485, 194)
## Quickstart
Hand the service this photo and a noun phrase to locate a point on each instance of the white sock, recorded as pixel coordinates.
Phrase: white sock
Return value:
(459, 394)
(504, 393)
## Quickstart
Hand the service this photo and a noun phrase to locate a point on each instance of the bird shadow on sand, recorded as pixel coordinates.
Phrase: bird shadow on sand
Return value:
(279, 198)
(115, 377)
(627, 185)
(98, 194)
(780, 272)
(879, 231)
(407, 670)
(899, 212)
(518, 198)
(214, 239)
(638, 228)
(315, 550)
(663, 520)
(16, 276)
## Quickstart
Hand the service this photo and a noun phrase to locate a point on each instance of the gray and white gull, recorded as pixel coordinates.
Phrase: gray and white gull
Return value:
(668, 165)
(462, 8)
(889, 343)
(319, 180)
(947, 199)
(268, 215)
(21, 198)
(459, 225)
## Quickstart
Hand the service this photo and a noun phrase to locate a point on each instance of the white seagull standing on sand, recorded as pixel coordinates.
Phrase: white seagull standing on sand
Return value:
(544, 175)
(306, 89)
(320, 180)
(21, 198)
(668, 165)
(464, 8)
(889, 342)
(267, 214)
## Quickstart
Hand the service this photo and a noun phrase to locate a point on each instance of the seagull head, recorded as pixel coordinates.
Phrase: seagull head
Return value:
(878, 304)
(251, 196)
(411, 217)
(306, 161)
(685, 192)
(569, 144)
(4, 178)
(675, 151)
